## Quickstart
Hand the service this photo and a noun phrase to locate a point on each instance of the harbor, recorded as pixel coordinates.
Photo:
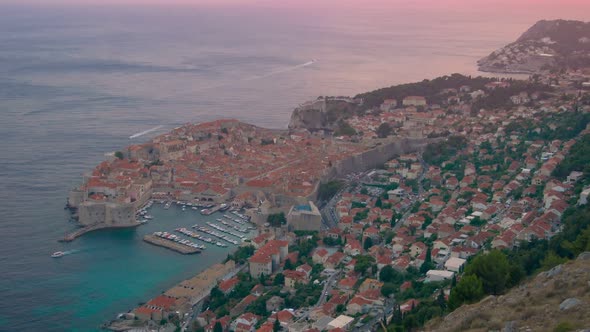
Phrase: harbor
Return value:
(236, 228)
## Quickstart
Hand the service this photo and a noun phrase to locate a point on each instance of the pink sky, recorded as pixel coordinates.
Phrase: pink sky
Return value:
(354, 3)
(542, 9)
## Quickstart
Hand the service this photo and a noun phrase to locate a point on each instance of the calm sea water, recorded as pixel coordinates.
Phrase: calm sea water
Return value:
(75, 83)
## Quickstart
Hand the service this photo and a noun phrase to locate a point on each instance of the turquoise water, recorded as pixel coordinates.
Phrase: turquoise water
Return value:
(111, 271)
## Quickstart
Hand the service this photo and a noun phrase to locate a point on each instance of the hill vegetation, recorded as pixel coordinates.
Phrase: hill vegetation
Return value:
(427, 88)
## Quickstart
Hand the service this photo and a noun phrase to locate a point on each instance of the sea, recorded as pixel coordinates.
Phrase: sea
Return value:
(76, 82)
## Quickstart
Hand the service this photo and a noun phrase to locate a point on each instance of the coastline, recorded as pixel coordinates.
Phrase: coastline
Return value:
(188, 293)
(505, 71)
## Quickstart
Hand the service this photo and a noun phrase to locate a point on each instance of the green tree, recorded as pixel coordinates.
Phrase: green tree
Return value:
(368, 243)
(440, 300)
(427, 265)
(468, 290)
(217, 327)
(279, 279)
(344, 129)
(276, 326)
(277, 219)
(388, 289)
(216, 298)
(379, 203)
(363, 262)
(384, 130)
(119, 155)
(288, 264)
(390, 275)
(492, 269)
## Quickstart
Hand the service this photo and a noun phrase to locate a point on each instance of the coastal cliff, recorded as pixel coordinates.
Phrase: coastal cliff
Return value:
(323, 114)
(555, 44)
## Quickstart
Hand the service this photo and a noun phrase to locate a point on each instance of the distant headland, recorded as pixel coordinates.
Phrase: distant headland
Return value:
(546, 46)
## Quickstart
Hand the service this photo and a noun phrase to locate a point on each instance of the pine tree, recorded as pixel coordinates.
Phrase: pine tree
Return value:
(276, 326)
(288, 265)
(427, 265)
(441, 300)
(368, 243)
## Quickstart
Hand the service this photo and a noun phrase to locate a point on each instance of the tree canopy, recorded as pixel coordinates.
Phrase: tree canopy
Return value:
(492, 269)
(468, 290)
(384, 130)
(277, 219)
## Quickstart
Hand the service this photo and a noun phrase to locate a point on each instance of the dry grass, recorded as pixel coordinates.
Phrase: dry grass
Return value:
(535, 307)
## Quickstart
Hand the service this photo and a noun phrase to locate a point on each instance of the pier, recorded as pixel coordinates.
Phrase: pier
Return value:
(69, 237)
(169, 244)
(210, 211)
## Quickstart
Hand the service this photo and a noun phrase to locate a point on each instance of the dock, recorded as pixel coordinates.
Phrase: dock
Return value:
(178, 247)
(69, 237)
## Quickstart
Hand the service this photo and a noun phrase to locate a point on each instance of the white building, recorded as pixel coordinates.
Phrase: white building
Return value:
(439, 275)
(454, 264)
(341, 321)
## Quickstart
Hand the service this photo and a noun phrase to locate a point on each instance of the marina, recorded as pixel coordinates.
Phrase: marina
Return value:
(215, 234)
(234, 231)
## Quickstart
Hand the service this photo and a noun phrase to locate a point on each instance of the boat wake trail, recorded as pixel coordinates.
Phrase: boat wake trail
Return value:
(280, 71)
(145, 132)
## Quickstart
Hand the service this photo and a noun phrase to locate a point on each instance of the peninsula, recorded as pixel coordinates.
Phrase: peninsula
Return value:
(547, 45)
(226, 161)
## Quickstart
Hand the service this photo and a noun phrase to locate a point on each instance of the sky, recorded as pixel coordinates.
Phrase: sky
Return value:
(526, 10)
(547, 4)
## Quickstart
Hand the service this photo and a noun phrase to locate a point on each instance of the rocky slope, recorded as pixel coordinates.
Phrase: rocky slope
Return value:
(547, 44)
(556, 300)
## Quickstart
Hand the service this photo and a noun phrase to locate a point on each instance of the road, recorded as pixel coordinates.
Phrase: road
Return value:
(408, 212)
(330, 283)
(329, 218)
(375, 323)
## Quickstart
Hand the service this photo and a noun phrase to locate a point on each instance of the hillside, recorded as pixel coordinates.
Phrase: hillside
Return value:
(330, 113)
(555, 300)
(552, 44)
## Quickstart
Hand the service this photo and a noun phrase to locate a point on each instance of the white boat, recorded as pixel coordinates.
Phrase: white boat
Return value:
(57, 254)
(148, 217)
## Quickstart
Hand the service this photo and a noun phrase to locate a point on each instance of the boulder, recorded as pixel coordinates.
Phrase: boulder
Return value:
(554, 271)
(510, 327)
(569, 303)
